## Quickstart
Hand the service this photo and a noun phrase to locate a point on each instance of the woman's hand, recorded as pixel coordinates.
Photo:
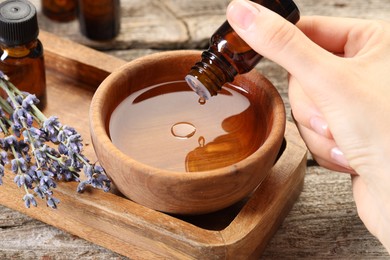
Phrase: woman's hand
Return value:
(339, 90)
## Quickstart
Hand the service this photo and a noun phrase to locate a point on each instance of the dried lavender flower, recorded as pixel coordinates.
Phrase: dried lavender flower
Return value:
(29, 100)
(29, 199)
(24, 138)
(52, 202)
(2, 173)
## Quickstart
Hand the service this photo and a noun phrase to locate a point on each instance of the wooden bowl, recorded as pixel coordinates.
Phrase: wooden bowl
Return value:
(175, 191)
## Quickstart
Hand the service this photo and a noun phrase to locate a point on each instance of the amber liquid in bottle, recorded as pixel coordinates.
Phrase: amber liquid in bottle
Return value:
(59, 10)
(99, 19)
(24, 65)
(228, 55)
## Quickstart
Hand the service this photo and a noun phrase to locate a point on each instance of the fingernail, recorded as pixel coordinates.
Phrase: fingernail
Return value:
(242, 14)
(320, 126)
(338, 156)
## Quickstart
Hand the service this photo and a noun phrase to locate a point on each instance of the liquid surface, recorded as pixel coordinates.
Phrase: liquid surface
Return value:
(166, 126)
(183, 130)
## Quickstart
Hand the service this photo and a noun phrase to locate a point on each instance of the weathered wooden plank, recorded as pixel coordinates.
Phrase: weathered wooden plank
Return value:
(130, 229)
(322, 224)
(171, 24)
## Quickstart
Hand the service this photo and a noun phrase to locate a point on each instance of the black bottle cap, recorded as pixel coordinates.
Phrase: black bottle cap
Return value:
(18, 22)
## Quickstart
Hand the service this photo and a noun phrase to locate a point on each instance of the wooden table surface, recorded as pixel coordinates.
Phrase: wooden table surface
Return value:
(322, 224)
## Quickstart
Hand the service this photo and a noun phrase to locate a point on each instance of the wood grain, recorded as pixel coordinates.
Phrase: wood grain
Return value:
(202, 191)
(114, 222)
(323, 224)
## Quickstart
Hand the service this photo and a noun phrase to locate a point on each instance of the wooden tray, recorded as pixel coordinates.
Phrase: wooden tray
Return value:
(114, 222)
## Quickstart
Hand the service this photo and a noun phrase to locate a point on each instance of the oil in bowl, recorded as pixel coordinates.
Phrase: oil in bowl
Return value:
(167, 150)
(167, 126)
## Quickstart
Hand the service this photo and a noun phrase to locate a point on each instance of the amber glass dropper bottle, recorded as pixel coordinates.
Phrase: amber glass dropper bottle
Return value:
(228, 55)
(21, 52)
(59, 10)
(99, 19)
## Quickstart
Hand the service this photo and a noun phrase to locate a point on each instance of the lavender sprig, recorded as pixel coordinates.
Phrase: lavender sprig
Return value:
(29, 149)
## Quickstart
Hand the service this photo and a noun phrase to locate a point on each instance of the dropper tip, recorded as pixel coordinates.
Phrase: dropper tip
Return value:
(198, 87)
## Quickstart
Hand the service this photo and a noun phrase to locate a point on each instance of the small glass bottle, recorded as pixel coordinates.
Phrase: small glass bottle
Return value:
(21, 52)
(99, 19)
(228, 55)
(59, 10)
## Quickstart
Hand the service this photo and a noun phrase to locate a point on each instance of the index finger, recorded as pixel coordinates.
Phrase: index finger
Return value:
(332, 33)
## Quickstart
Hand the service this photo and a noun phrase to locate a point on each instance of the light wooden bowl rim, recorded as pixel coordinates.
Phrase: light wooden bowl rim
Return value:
(98, 125)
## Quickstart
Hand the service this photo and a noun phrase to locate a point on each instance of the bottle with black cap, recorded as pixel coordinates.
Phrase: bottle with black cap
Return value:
(99, 19)
(59, 10)
(21, 52)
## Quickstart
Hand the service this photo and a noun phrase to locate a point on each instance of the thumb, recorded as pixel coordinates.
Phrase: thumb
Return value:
(275, 38)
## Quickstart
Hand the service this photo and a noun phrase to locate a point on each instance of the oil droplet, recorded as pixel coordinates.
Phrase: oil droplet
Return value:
(183, 130)
(201, 141)
(202, 101)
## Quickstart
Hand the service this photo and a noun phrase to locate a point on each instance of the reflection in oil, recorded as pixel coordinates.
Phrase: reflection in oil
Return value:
(166, 126)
